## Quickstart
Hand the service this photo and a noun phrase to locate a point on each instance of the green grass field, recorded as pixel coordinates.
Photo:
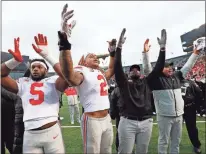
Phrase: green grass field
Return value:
(73, 140)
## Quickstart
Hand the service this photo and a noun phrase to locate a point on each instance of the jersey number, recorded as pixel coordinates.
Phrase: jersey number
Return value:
(36, 92)
(102, 86)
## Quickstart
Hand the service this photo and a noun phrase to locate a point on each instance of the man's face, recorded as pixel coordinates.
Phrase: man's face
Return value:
(38, 72)
(135, 73)
(168, 71)
(92, 61)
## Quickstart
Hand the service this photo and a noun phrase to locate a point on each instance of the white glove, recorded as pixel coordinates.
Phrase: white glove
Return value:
(65, 16)
(199, 44)
(121, 38)
(42, 49)
(162, 41)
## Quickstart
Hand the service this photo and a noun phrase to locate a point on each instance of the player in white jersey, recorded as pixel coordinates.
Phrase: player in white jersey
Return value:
(92, 88)
(40, 99)
(73, 103)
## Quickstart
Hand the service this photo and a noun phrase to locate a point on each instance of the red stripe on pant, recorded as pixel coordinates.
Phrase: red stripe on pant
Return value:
(85, 133)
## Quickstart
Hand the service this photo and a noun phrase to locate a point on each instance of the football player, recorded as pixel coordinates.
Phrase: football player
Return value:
(92, 88)
(40, 99)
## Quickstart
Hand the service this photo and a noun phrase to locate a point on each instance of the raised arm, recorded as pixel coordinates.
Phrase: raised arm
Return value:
(110, 71)
(190, 63)
(118, 69)
(7, 82)
(159, 66)
(147, 67)
(41, 48)
(66, 63)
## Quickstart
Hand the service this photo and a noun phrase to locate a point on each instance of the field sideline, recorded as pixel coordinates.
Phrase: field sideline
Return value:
(73, 140)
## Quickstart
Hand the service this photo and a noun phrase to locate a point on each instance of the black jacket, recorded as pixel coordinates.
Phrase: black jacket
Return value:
(115, 104)
(18, 126)
(135, 95)
(191, 93)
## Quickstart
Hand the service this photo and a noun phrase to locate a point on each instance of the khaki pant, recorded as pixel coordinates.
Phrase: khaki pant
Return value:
(134, 132)
(44, 141)
(97, 135)
(170, 129)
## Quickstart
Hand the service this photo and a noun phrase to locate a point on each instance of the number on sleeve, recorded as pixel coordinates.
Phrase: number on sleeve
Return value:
(36, 92)
(103, 85)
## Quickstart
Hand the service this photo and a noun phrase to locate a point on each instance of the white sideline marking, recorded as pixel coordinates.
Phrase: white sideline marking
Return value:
(115, 125)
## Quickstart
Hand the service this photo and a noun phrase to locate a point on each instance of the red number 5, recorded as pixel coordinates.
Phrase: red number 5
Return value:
(102, 86)
(36, 92)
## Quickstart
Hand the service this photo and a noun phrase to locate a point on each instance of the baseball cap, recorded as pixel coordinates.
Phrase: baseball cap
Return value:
(134, 66)
(167, 64)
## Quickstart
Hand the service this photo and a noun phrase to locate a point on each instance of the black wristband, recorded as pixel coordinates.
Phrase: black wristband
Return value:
(63, 42)
(64, 45)
(112, 54)
(162, 49)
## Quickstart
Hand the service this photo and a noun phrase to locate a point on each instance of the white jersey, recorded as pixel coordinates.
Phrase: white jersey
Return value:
(72, 96)
(40, 101)
(93, 91)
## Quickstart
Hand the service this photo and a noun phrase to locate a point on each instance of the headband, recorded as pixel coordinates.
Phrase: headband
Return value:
(38, 62)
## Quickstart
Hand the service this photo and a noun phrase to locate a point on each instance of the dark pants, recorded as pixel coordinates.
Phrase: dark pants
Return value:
(7, 128)
(190, 121)
(117, 136)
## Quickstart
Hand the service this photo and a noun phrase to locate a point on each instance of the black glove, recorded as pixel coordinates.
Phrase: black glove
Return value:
(63, 42)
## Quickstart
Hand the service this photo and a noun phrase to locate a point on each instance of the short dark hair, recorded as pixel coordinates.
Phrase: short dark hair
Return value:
(41, 60)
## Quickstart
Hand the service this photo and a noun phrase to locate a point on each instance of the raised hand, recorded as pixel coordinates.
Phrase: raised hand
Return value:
(16, 53)
(81, 61)
(162, 41)
(42, 45)
(65, 16)
(63, 41)
(199, 45)
(146, 46)
(121, 38)
(112, 45)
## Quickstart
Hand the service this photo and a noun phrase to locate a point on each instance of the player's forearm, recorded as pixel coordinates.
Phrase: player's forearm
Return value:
(66, 64)
(110, 72)
(8, 66)
(57, 69)
(4, 70)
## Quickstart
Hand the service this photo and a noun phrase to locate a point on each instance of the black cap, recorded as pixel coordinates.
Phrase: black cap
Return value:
(134, 66)
(167, 64)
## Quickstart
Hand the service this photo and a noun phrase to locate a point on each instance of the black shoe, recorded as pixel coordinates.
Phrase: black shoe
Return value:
(197, 150)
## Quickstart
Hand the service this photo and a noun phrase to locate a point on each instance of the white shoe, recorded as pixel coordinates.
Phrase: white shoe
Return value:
(72, 122)
(61, 118)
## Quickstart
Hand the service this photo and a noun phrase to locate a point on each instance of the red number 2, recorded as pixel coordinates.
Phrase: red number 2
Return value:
(102, 85)
(36, 92)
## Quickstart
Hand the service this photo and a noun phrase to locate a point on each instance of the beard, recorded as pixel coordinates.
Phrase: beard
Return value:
(38, 78)
(135, 77)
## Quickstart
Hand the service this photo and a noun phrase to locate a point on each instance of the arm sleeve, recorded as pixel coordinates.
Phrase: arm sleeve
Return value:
(159, 66)
(118, 70)
(189, 65)
(147, 67)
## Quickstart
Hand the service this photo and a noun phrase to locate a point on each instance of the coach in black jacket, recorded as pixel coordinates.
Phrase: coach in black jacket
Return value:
(115, 110)
(136, 120)
(193, 99)
(169, 104)
(12, 122)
